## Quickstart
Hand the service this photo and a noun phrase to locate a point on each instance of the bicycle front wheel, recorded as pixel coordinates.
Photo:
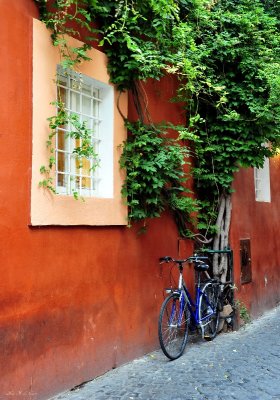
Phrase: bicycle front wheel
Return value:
(173, 326)
(209, 315)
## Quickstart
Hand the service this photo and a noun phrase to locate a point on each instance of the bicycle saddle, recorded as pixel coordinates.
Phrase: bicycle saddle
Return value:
(201, 267)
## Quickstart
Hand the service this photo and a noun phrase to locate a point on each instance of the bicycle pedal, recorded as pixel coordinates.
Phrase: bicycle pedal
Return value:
(171, 290)
(168, 290)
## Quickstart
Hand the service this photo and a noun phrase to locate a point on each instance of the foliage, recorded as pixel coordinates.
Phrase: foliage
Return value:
(137, 36)
(243, 311)
(226, 55)
(155, 176)
(57, 18)
(67, 17)
(231, 83)
(83, 150)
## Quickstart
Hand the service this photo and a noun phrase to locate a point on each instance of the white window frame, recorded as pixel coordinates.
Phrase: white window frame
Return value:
(101, 125)
(262, 182)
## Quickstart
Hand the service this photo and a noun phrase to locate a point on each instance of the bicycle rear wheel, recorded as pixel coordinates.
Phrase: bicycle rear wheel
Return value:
(209, 315)
(173, 326)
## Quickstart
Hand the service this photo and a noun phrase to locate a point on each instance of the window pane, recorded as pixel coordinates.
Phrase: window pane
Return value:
(78, 182)
(79, 165)
(61, 143)
(61, 95)
(95, 105)
(87, 89)
(76, 82)
(86, 183)
(61, 180)
(81, 98)
(61, 162)
(86, 105)
(87, 120)
(74, 102)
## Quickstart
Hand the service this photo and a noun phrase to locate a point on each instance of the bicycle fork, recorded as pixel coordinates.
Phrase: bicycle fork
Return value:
(183, 304)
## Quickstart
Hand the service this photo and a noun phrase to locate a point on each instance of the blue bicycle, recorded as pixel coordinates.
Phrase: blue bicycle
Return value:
(179, 312)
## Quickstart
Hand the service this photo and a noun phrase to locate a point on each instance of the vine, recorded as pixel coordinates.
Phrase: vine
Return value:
(231, 82)
(83, 150)
(58, 18)
(143, 51)
(226, 56)
(155, 178)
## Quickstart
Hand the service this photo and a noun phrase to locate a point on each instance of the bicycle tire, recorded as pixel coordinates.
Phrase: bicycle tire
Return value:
(209, 326)
(173, 327)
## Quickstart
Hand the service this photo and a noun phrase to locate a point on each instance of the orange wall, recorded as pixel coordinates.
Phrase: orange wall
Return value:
(77, 301)
(259, 222)
(74, 301)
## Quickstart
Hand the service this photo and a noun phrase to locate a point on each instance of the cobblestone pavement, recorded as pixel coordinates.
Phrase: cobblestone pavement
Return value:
(243, 365)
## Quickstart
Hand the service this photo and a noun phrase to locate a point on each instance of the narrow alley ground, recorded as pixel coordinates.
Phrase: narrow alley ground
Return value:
(243, 365)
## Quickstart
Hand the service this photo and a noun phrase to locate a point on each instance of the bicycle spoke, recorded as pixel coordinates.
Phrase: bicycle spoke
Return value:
(173, 327)
(208, 306)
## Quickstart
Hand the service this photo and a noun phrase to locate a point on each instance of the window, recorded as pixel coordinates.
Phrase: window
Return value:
(92, 102)
(92, 98)
(262, 182)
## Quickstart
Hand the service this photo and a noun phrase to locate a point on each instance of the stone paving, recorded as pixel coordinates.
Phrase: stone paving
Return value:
(242, 365)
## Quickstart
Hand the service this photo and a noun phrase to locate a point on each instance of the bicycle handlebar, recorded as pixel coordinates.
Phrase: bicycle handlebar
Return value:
(192, 259)
(165, 259)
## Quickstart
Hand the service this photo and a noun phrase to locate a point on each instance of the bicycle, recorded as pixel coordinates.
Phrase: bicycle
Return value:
(179, 311)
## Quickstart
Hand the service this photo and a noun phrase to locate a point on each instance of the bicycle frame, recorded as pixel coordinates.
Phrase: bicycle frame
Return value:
(185, 298)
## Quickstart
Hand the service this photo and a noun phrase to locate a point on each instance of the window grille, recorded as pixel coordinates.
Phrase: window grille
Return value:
(82, 98)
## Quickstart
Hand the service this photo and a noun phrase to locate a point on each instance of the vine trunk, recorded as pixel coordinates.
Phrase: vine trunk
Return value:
(221, 240)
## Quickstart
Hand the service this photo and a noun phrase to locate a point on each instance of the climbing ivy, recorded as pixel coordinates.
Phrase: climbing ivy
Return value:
(138, 37)
(225, 54)
(232, 88)
(155, 177)
(83, 150)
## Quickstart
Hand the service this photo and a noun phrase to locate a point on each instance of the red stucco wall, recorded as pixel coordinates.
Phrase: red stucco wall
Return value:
(74, 302)
(259, 222)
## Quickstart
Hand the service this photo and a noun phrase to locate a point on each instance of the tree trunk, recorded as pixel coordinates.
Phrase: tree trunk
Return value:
(221, 240)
